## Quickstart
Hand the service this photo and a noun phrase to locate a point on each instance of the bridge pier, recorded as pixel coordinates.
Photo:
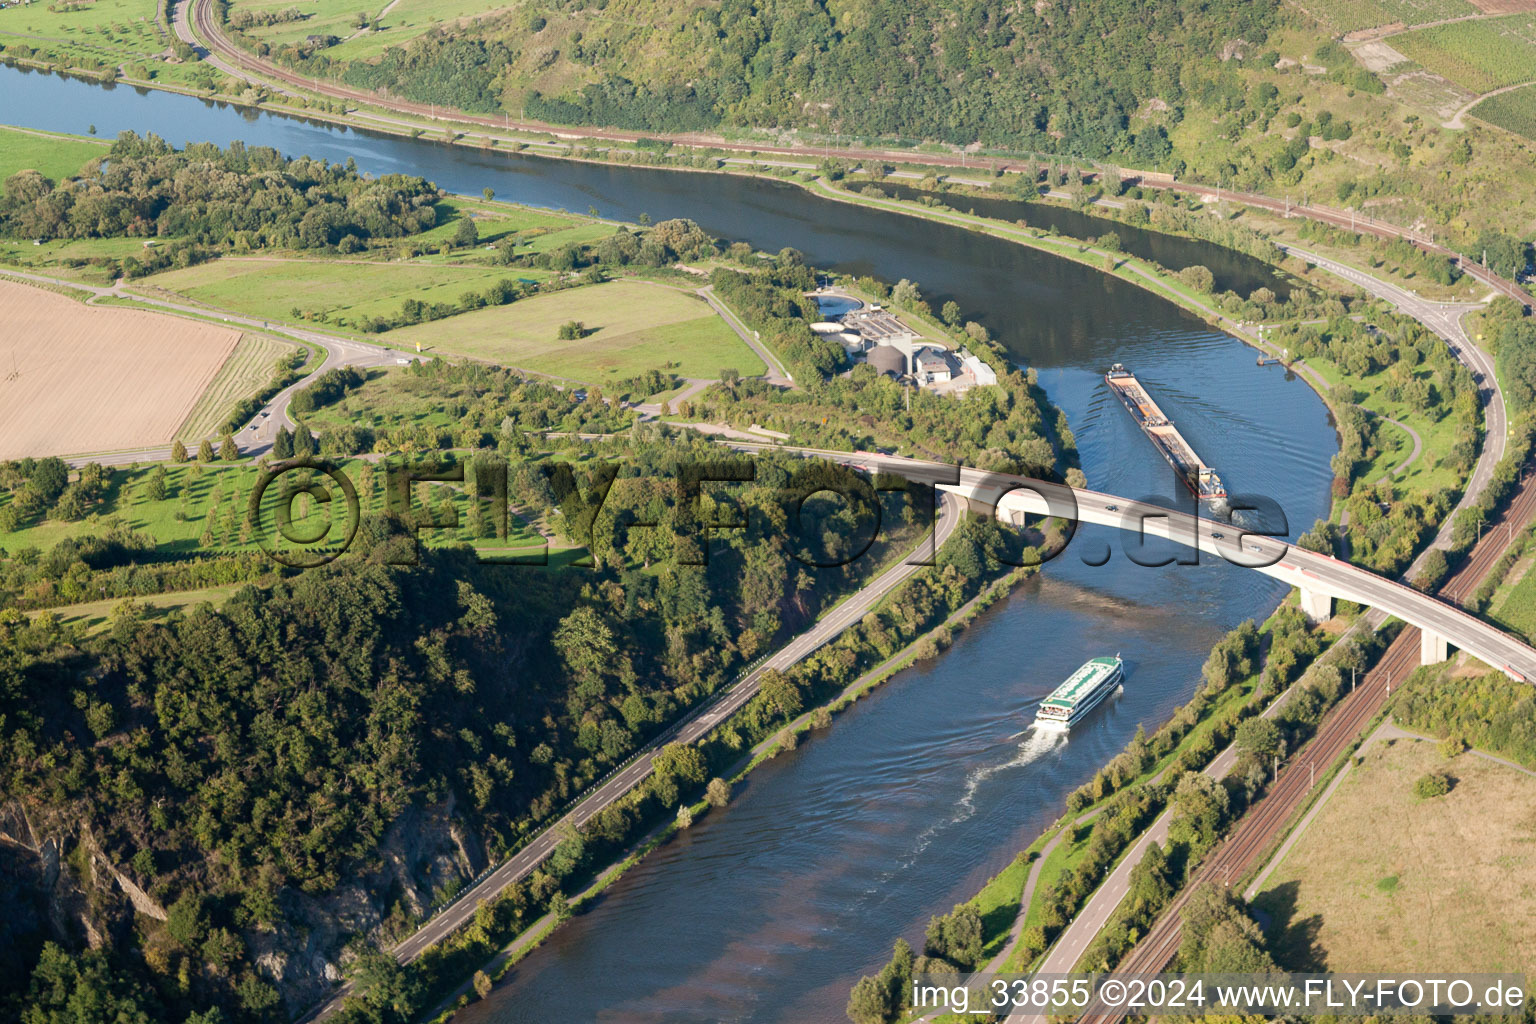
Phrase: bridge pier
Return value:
(1433, 648)
(1316, 605)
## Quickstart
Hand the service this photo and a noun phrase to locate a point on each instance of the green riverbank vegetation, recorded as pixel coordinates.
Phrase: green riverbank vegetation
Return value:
(1246, 671)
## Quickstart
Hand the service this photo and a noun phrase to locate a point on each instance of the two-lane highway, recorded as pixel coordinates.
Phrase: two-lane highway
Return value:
(689, 730)
(1444, 318)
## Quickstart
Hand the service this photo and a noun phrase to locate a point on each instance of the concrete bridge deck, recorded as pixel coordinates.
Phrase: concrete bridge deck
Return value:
(1320, 578)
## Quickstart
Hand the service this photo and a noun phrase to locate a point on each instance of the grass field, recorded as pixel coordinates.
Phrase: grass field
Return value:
(94, 615)
(1513, 111)
(244, 373)
(180, 522)
(406, 20)
(1395, 446)
(402, 21)
(57, 157)
(1478, 55)
(1518, 608)
(88, 379)
(98, 34)
(1384, 881)
(50, 256)
(632, 327)
(1350, 15)
(494, 220)
(341, 292)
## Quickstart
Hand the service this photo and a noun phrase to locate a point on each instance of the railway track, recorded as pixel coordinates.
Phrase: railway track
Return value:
(1491, 547)
(1260, 829)
(212, 34)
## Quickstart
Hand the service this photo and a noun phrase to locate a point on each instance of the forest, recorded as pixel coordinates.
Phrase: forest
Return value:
(247, 767)
(209, 809)
(204, 196)
(1067, 77)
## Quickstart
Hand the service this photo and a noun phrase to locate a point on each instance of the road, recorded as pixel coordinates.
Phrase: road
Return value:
(255, 437)
(1248, 846)
(1485, 554)
(777, 374)
(1069, 946)
(1258, 831)
(1440, 317)
(1272, 556)
(688, 730)
(1444, 318)
(202, 31)
(1349, 220)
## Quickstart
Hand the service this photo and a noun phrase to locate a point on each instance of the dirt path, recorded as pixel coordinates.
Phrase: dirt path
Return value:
(1418, 446)
(1016, 933)
(1388, 730)
(777, 374)
(1456, 121)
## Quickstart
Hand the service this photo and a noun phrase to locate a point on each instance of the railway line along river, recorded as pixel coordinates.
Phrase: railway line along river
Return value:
(768, 911)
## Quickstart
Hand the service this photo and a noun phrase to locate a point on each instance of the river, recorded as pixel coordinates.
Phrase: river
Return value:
(768, 911)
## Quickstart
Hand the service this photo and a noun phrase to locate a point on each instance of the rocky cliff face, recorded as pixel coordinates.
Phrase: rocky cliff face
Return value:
(74, 903)
(61, 887)
(424, 853)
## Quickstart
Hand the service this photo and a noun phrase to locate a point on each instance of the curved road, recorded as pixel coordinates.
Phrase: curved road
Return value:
(202, 31)
(1444, 318)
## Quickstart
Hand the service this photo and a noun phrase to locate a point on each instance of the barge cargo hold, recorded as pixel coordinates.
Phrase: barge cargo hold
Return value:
(1201, 479)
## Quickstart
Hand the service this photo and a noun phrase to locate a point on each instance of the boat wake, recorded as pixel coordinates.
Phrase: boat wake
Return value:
(1036, 744)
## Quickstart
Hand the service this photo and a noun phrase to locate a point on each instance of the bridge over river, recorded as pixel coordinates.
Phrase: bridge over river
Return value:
(1321, 579)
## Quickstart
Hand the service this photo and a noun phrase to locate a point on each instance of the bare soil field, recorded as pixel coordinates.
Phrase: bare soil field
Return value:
(1378, 56)
(76, 378)
(251, 366)
(1504, 6)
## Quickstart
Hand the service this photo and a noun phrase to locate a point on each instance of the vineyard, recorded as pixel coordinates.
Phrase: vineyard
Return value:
(1514, 111)
(1352, 15)
(1478, 55)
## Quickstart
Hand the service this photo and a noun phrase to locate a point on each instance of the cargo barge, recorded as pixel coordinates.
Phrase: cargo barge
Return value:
(1201, 479)
(1083, 691)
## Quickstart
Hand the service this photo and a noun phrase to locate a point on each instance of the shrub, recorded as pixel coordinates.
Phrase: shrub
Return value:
(1431, 785)
(718, 793)
(1197, 277)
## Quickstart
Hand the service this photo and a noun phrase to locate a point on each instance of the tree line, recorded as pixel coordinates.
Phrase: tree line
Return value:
(249, 196)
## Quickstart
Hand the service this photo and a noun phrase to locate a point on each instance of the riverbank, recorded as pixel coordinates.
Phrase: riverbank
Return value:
(1105, 820)
(820, 719)
(1007, 687)
(1142, 273)
(316, 97)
